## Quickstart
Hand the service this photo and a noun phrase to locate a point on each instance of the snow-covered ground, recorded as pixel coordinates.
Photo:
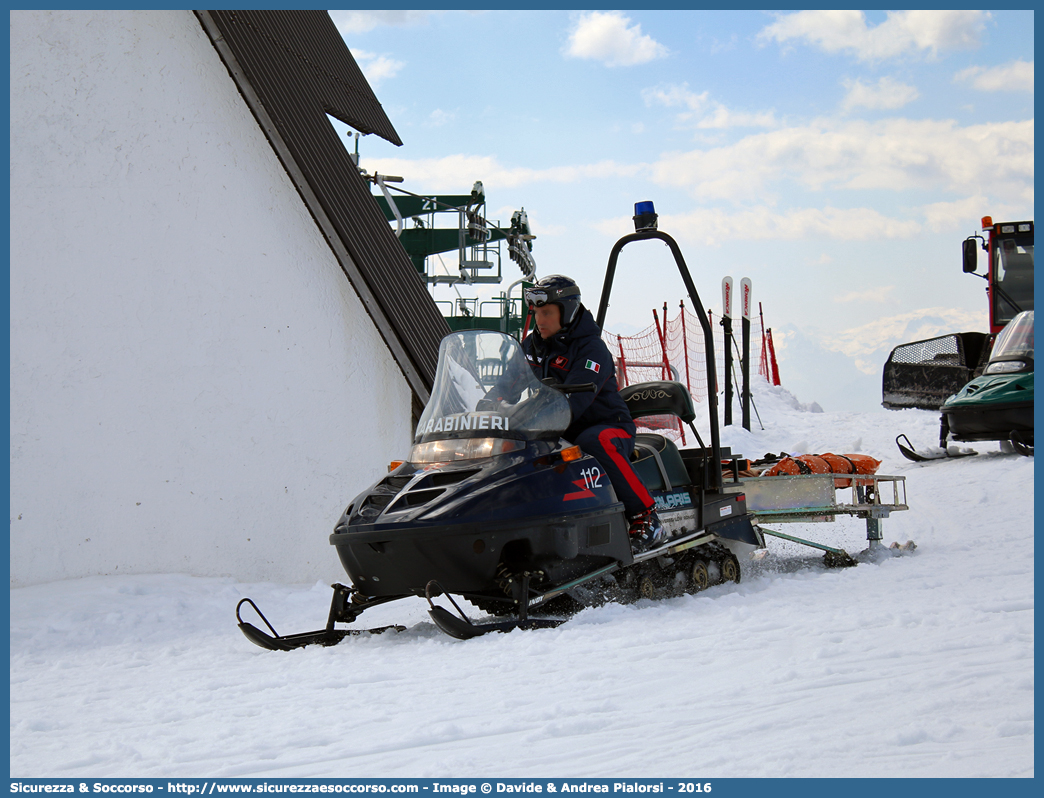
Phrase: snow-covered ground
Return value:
(920, 665)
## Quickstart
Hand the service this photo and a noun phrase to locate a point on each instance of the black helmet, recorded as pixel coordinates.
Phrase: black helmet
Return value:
(556, 290)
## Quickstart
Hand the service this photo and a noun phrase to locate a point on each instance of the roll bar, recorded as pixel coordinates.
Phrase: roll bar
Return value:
(701, 314)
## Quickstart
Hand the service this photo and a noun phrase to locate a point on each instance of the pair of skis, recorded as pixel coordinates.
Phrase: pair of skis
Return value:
(726, 322)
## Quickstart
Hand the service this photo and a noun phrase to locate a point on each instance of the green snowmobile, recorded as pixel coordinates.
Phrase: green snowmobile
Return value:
(995, 406)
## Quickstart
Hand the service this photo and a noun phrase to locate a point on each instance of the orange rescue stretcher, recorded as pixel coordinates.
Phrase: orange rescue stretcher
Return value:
(811, 488)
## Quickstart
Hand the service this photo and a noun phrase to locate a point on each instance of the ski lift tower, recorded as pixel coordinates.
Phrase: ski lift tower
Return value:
(477, 244)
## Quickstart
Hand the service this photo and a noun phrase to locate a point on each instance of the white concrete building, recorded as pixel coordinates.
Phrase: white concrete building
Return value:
(198, 385)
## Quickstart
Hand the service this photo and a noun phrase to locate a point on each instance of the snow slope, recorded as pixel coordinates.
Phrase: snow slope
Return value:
(920, 665)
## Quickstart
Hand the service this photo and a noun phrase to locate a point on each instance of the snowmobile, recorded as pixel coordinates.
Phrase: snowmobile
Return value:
(492, 505)
(995, 406)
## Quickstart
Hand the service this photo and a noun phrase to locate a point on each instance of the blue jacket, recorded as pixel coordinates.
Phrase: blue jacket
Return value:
(577, 355)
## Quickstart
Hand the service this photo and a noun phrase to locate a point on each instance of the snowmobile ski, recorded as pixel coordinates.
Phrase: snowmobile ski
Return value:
(1018, 443)
(342, 608)
(910, 453)
(321, 637)
(462, 628)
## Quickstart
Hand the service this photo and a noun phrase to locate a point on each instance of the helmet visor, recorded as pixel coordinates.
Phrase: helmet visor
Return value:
(538, 297)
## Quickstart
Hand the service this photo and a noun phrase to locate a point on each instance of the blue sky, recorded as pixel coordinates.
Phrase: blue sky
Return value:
(835, 158)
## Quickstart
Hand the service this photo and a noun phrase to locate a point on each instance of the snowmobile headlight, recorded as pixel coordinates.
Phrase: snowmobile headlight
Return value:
(452, 449)
(1006, 367)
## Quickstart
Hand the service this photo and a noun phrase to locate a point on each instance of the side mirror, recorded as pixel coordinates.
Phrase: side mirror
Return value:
(971, 255)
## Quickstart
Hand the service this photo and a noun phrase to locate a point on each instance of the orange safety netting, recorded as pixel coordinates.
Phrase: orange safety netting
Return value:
(673, 349)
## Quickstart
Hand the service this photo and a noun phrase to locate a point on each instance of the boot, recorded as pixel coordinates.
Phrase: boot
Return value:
(646, 531)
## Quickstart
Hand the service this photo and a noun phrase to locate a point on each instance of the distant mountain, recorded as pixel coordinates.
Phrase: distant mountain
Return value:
(814, 373)
(842, 370)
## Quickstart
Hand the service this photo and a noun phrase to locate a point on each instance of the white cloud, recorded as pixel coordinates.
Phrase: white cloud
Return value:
(699, 108)
(891, 154)
(438, 118)
(1016, 76)
(903, 32)
(458, 172)
(719, 226)
(881, 293)
(716, 226)
(609, 37)
(377, 67)
(721, 117)
(887, 94)
(847, 224)
(674, 96)
(962, 216)
(348, 22)
(869, 344)
(884, 334)
(718, 47)
(941, 217)
(894, 155)
(540, 228)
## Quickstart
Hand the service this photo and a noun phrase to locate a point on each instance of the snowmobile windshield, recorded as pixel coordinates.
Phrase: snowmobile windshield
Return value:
(1013, 349)
(487, 399)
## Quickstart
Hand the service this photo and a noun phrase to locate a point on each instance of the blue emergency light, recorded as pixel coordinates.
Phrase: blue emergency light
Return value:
(644, 216)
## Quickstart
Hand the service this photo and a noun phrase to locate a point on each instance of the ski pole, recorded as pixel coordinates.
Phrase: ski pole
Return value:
(737, 380)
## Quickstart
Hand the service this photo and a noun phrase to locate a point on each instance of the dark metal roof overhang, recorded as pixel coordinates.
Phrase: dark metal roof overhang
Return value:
(293, 68)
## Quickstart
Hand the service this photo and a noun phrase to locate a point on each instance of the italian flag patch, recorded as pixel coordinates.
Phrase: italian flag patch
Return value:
(593, 366)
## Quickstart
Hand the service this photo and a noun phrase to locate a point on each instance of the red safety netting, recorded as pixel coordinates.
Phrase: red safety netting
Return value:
(673, 349)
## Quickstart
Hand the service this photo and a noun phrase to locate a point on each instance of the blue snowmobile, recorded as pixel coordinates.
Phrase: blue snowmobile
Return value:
(492, 505)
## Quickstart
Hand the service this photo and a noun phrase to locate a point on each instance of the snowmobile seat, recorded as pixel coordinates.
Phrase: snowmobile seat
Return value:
(659, 398)
(657, 462)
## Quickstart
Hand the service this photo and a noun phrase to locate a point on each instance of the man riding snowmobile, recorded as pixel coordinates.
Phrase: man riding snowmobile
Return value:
(567, 347)
(494, 503)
